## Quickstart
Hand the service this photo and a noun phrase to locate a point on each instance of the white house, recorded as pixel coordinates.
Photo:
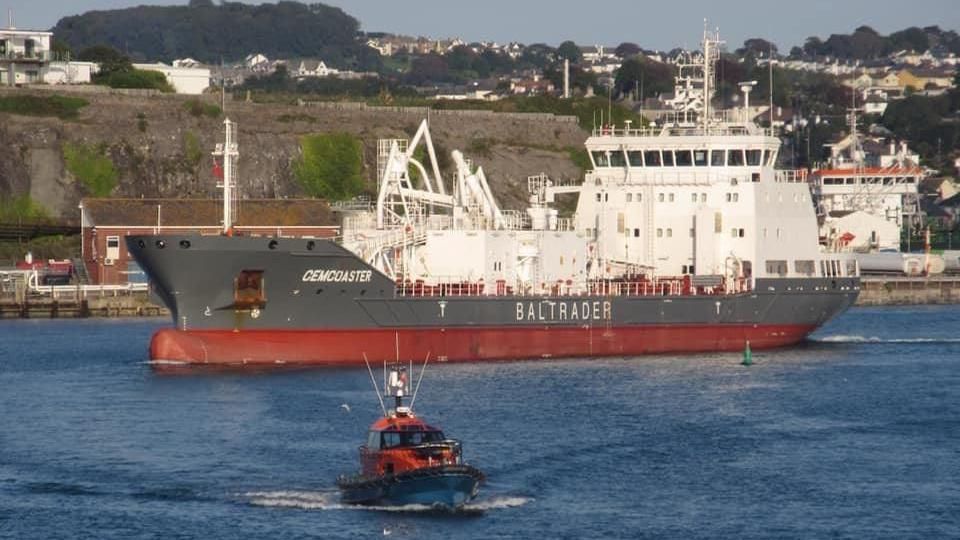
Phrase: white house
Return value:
(24, 54)
(184, 80)
(314, 68)
(69, 72)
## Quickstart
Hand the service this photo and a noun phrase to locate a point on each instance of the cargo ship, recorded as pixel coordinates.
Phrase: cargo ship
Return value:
(685, 238)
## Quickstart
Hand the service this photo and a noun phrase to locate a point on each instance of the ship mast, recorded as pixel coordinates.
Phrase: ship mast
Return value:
(229, 151)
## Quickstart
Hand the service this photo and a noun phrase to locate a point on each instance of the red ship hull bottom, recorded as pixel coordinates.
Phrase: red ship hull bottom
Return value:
(344, 347)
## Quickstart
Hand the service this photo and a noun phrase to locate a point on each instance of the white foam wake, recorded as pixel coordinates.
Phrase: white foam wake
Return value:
(330, 500)
(877, 339)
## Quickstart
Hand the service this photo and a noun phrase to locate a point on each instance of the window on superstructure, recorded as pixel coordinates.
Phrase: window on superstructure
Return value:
(718, 158)
(777, 268)
(659, 233)
(684, 158)
(693, 232)
(693, 197)
(635, 157)
(671, 197)
(850, 180)
(703, 197)
(754, 157)
(669, 233)
(636, 233)
(617, 159)
(804, 268)
(660, 197)
(735, 158)
(736, 197)
(599, 197)
(700, 158)
(601, 158)
(629, 197)
(606, 197)
(651, 158)
(668, 158)
(639, 197)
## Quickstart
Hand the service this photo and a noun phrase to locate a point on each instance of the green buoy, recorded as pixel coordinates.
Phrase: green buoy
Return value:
(747, 356)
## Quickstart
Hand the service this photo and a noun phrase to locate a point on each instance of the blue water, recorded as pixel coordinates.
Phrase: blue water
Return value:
(855, 434)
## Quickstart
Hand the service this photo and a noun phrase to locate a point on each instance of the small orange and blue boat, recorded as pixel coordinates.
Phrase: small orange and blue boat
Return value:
(406, 461)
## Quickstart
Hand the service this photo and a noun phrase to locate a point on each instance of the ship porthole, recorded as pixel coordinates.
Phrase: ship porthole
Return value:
(185, 244)
(141, 244)
(161, 244)
(273, 244)
(310, 245)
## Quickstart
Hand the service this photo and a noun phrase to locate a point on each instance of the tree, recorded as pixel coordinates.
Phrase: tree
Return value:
(428, 68)
(110, 60)
(757, 47)
(569, 50)
(655, 77)
(60, 49)
(813, 47)
(330, 166)
(626, 50)
(912, 39)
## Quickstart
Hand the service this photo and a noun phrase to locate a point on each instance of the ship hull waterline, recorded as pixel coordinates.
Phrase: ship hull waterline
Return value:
(172, 348)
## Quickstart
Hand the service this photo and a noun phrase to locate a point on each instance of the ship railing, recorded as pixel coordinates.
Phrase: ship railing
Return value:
(628, 287)
(791, 176)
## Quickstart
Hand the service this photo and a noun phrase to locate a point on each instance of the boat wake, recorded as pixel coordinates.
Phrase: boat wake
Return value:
(877, 339)
(330, 500)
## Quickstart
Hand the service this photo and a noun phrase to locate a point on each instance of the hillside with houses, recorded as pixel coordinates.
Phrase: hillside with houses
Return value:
(903, 85)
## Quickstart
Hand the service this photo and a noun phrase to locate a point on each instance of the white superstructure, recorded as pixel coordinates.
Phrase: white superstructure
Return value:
(696, 201)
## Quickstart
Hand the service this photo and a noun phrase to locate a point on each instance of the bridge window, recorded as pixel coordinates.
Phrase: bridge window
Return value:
(617, 159)
(718, 158)
(754, 157)
(684, 158)
(768, 157)
(635, 157)
(668, 158)
(652, 158)
(601, 159)
(700, 158)
(735, 158)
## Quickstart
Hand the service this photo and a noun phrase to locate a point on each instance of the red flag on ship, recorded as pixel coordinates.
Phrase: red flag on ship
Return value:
(217, 169)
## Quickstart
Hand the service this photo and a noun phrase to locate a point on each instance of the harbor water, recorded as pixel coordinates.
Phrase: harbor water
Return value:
(853, 434)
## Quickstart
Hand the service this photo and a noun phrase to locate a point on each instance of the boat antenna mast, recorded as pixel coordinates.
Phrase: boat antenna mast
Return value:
(711, 54)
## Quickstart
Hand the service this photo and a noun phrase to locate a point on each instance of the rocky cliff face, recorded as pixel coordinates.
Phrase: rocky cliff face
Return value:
(160, 149)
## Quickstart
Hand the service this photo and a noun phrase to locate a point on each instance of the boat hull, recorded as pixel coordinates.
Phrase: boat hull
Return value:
(318, 304)
(451, 486)
(344, 347)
